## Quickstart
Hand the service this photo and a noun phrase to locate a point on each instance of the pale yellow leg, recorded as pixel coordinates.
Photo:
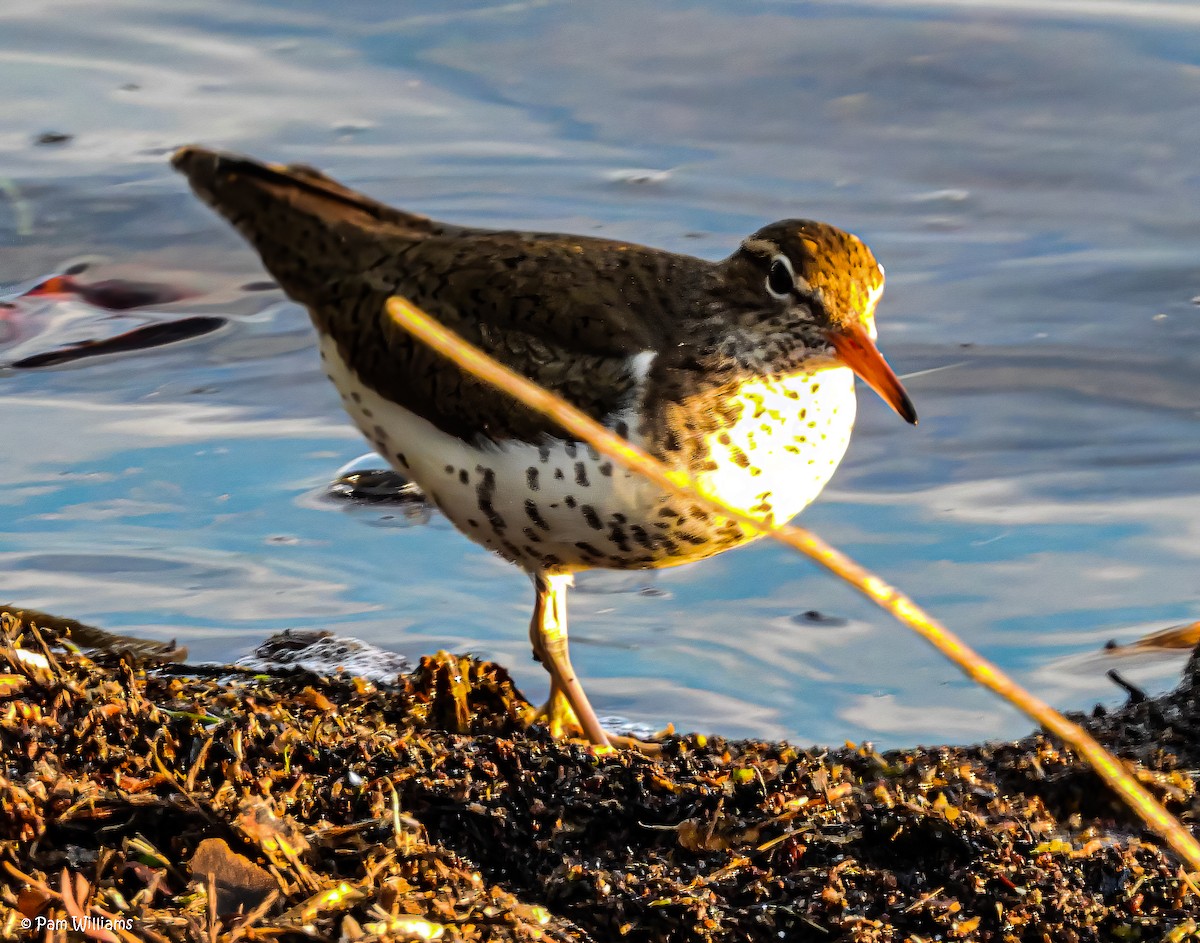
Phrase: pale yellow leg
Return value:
(568, 705)
(559, 715)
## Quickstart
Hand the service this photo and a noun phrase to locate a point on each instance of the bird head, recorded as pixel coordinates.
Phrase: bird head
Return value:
(817, 287)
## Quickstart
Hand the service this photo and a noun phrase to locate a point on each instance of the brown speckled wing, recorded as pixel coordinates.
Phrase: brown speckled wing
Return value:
(566, 311)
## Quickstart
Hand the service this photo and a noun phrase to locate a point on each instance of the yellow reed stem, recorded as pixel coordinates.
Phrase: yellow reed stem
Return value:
(983, 672)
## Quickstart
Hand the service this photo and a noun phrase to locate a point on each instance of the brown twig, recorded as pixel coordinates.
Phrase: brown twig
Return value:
(254, 916)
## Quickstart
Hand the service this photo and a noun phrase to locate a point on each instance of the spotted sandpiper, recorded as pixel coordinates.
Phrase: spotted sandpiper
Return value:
(739, 373)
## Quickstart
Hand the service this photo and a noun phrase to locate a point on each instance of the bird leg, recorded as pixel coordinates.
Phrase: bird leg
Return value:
(568, 706)
(558, 715)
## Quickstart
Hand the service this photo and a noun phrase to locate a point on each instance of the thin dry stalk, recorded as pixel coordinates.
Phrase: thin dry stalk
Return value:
(978, 669)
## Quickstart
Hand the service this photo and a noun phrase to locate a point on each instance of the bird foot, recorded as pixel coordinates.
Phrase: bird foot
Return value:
(559, 717)
(645, 747)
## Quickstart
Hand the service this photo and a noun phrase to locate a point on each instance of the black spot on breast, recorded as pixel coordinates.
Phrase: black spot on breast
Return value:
(570, 449)
(531, 535)
(463, 476)
(367, 413)
(543, 453)
(401, 459)
(484, 493)
(534, 513)
(357, 397)
(570, 501)
(618, 536)
(606, 469)
(531, 478)
(588, 549)
(622, 429)
(643, 539)
(591, 517)
(558, 474)
(449, 469)
(581, 477)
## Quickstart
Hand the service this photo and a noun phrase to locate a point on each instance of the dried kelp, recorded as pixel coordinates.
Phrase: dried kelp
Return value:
(157, 802)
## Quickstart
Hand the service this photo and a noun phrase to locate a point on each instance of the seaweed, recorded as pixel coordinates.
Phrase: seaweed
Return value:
(143, 799)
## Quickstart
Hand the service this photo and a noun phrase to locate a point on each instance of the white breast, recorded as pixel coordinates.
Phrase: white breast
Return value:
(786, 445)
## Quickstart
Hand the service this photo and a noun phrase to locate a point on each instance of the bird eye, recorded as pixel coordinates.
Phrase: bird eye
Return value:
(780, 279)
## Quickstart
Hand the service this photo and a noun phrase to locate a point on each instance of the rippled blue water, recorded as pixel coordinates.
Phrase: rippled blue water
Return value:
(1026, 172)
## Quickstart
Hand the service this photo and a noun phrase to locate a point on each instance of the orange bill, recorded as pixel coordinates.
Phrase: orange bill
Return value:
(858, 352)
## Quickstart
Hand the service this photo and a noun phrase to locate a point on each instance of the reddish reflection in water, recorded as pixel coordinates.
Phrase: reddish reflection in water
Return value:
(114, 294)
(108, 295)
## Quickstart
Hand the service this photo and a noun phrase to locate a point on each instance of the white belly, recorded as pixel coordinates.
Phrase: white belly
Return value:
(562, 506)
(530, 502)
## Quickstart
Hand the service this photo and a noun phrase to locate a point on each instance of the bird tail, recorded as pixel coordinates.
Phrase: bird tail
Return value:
(309, 229)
